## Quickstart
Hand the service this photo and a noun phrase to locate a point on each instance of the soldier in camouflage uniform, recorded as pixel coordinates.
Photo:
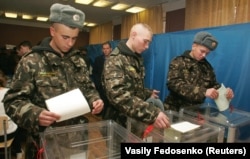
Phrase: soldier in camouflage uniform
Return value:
(51, 69)
(123, 80)
(191, 78)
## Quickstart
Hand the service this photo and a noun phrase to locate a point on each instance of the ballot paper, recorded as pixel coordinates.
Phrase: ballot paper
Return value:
(81, 155)
(222, 102)
(184, 126)
(68, 105)
(176, 131)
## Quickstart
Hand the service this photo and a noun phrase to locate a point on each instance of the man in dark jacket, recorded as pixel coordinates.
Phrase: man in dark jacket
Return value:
(191, 78)
(51, 69)
(97, 75)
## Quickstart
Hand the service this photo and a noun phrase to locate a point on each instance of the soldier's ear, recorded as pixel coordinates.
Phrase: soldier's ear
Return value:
(133, 33)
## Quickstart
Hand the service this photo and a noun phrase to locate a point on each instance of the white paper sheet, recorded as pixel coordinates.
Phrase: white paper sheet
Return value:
(184, 126)
(222, 102)
(82, 155)
(68, 105)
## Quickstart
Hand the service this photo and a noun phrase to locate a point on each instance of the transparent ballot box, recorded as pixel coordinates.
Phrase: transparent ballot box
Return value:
(236, 122)
(86, 141)
(184, 129)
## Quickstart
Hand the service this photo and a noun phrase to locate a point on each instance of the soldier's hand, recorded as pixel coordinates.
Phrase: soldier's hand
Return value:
(212, 93)
(230, 93)
(97, 106)
(161, 121)
(155, 94)
(46, 118)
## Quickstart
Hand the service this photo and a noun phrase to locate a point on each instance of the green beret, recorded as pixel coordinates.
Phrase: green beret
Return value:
(67, 15)
(206, 39)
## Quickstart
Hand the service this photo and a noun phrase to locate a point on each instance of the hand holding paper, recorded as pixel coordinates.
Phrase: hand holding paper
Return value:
(222, 102)
(68, 105)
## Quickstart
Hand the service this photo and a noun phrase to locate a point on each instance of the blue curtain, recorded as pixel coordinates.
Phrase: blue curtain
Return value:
(230, 60)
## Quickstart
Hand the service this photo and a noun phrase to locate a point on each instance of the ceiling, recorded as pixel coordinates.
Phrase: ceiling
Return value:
(93, 14)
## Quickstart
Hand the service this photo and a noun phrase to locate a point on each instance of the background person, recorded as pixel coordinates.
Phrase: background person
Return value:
(97, 75)
(23, 48)
(16, 144)
(8, 62)
(87, 60)
(3, 90)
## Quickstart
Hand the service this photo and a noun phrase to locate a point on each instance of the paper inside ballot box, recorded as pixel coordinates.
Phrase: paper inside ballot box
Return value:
(178, 130)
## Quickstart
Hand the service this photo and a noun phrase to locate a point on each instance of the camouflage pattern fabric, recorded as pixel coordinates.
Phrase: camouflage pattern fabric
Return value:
(123, 79)
(187, 81)
(43, 74)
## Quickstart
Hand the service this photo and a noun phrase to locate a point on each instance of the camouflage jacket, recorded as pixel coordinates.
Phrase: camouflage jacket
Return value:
(188, 80)
(123, 79)
(43, 74)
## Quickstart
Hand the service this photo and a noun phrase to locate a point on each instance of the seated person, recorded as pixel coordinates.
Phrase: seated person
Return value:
(12, 131)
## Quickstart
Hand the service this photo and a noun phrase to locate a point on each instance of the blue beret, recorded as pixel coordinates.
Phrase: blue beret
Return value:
(206, 39)
(67, 15)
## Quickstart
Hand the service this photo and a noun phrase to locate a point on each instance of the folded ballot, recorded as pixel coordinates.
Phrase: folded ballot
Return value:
(68, 105)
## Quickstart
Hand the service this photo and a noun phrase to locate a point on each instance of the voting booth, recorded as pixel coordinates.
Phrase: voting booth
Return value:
(75, 142)
(236, 122)
(184, 129)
